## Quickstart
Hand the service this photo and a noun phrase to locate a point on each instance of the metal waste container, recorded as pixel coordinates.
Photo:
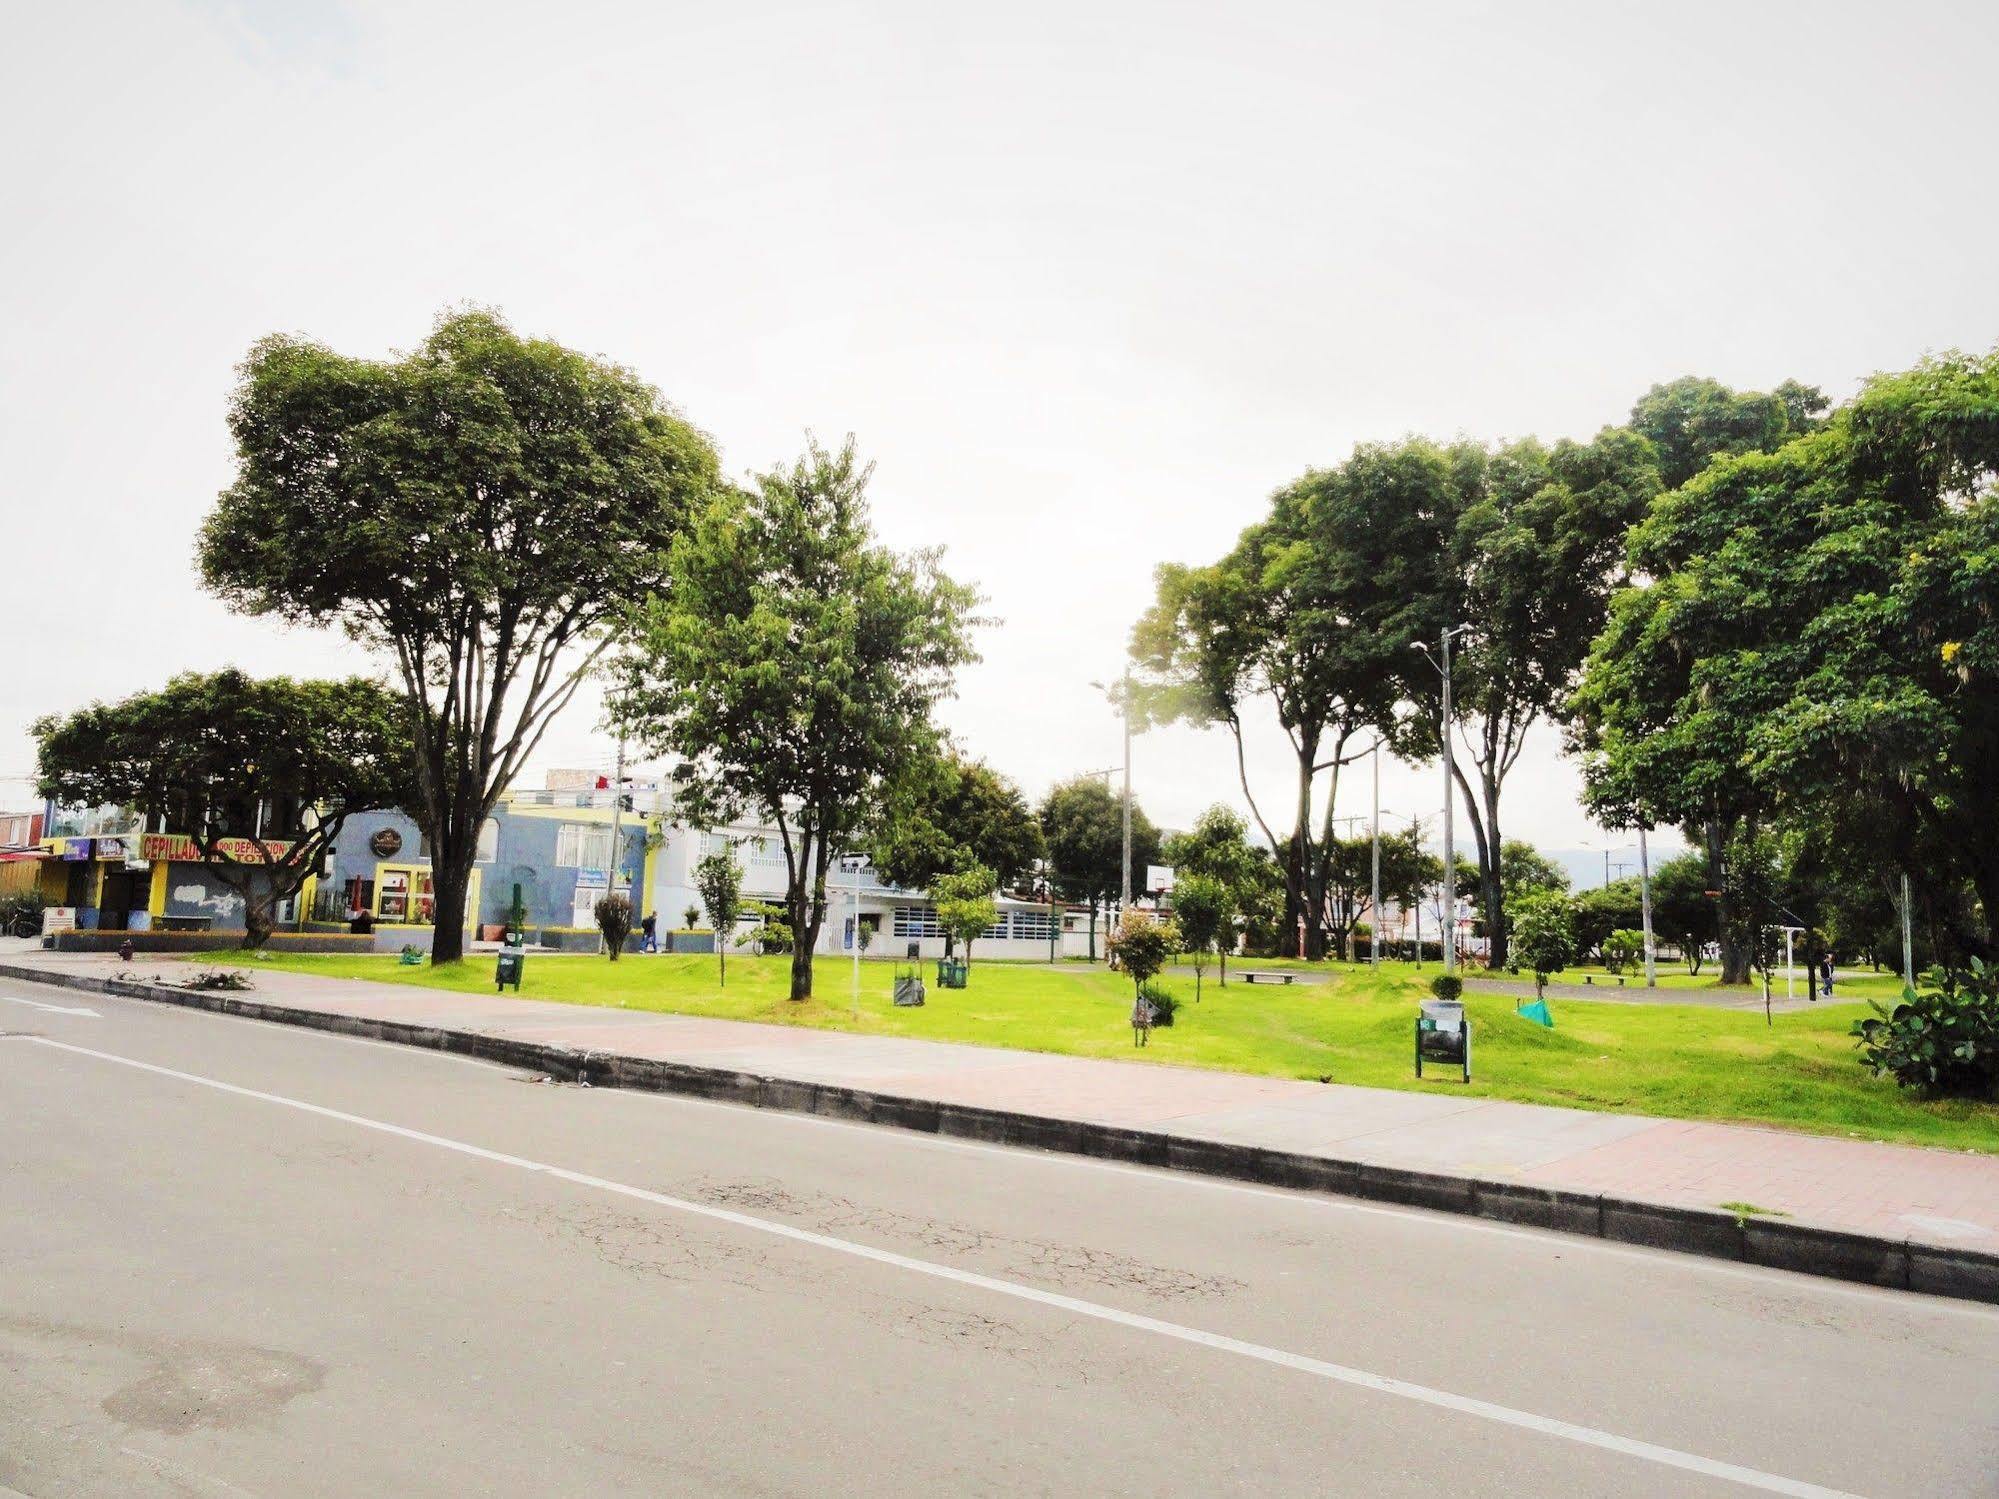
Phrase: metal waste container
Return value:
(1443, 1035)
(951, 973)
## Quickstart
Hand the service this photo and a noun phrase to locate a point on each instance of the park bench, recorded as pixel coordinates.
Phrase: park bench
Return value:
(1267, 976)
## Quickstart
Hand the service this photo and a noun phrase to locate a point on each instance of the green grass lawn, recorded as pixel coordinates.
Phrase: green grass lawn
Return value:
(1673, 1060)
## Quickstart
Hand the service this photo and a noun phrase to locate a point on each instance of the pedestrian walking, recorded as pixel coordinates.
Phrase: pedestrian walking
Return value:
(1825, 975)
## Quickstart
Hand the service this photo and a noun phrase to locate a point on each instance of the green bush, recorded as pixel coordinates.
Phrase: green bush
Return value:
(1164, 1005)
(1943, 1039)
(1623, 949)
(1447, 986)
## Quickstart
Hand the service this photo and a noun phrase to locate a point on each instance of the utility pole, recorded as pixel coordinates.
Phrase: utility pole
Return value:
(1450, 844)
(1645, 909)
(1374, 888)
(617, 815)
(1416, 838)
(1124, 713)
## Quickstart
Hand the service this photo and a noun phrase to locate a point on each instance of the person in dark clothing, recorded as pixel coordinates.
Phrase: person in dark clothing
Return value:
(649, 927)
(1825, 975)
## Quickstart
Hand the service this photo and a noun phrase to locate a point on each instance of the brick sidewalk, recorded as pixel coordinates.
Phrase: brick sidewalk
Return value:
(1943, 1198)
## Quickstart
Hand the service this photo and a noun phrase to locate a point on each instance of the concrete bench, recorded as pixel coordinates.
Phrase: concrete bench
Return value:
(1267, 976)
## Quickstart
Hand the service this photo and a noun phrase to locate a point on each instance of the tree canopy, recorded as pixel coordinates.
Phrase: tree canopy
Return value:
(1083, 823)
(260, 773)
(793, 667)
(1812, 636)
(946, 813)
(477, 510)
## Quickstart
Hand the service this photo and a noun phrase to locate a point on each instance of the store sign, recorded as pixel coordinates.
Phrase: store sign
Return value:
(386, 843)
(176, 848)
(113, 848)
(75, 850)
(593, 879)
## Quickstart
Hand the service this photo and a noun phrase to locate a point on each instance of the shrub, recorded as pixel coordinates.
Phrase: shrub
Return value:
(1623, 949)
(1142, 946)
(1943, 1038)
(1164, 1005)
(614, 919)
(1447, 986)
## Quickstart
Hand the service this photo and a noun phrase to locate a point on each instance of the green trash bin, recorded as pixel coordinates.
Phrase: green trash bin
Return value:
(951, 973)
(508, 971)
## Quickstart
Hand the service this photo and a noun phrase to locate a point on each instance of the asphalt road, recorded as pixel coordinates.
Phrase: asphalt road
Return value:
(239, 1258)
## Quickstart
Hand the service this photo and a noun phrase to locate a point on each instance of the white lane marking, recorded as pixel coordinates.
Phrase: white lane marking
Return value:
(15, 999)
(1486, 1410)
(1546, 1238)
(1445, 1222)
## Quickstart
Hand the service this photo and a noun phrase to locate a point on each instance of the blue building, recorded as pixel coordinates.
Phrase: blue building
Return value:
(556, 846)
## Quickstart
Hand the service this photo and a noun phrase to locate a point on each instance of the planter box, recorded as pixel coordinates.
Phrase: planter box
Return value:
(224, 941)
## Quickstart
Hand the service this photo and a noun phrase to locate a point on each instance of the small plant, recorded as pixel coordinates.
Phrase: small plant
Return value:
(690, 916)
(1142, 946)
(613, 914)
(1942, 1039)
(1448, 987)
(721, 885)
(1623, 949)
(1164, 1005)
(234, 979)
(1544, 935)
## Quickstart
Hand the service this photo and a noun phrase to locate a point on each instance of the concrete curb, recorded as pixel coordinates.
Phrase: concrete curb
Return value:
(1774, 1243)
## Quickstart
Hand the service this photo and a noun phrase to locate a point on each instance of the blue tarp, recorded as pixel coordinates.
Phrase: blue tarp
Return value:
(1538, 1013)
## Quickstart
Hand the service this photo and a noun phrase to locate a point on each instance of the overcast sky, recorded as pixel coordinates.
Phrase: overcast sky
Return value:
(1088, 280)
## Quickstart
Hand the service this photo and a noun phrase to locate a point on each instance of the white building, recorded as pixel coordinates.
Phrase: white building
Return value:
(890, 919)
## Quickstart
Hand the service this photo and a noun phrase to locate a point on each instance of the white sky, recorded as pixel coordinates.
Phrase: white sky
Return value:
(1088, 280)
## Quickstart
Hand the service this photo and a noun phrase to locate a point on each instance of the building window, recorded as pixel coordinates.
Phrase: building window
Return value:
(1033, 926)
(489, 840)
(996, 932)
(583, 845)
(766, 853)
(916, 921)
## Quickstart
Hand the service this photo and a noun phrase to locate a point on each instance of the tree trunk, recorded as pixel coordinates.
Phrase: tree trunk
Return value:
(258, 921)
(1093, 929)
(449, 878)
(1735, 955)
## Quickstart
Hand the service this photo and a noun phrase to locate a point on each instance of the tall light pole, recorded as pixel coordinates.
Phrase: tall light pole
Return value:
(1450, 796)
(1123, 694)
(1124, 714)
(1374, 892)
(1645, 910)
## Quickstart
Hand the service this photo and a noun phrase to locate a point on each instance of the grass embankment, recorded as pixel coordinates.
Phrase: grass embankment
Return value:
(1678, 1061)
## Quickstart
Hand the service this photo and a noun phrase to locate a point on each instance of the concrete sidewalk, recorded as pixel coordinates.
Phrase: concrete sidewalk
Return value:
(1896, 1215)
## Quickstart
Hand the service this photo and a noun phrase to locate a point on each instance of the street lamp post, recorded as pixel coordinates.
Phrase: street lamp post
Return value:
(1374, 892)
(1645, 909)
(1123, 692)
(1450, 796)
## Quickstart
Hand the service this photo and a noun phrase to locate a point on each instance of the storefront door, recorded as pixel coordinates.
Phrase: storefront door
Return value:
(405, 895)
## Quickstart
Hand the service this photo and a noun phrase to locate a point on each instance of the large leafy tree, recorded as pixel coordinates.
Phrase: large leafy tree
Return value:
(477, 510)
(1813, 641)
(1083, 824)
(1305, 616)
(1217, 848)
(948, 813)
(1406, 871)
(1535, 547)
(793, 667)
(261, 774)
